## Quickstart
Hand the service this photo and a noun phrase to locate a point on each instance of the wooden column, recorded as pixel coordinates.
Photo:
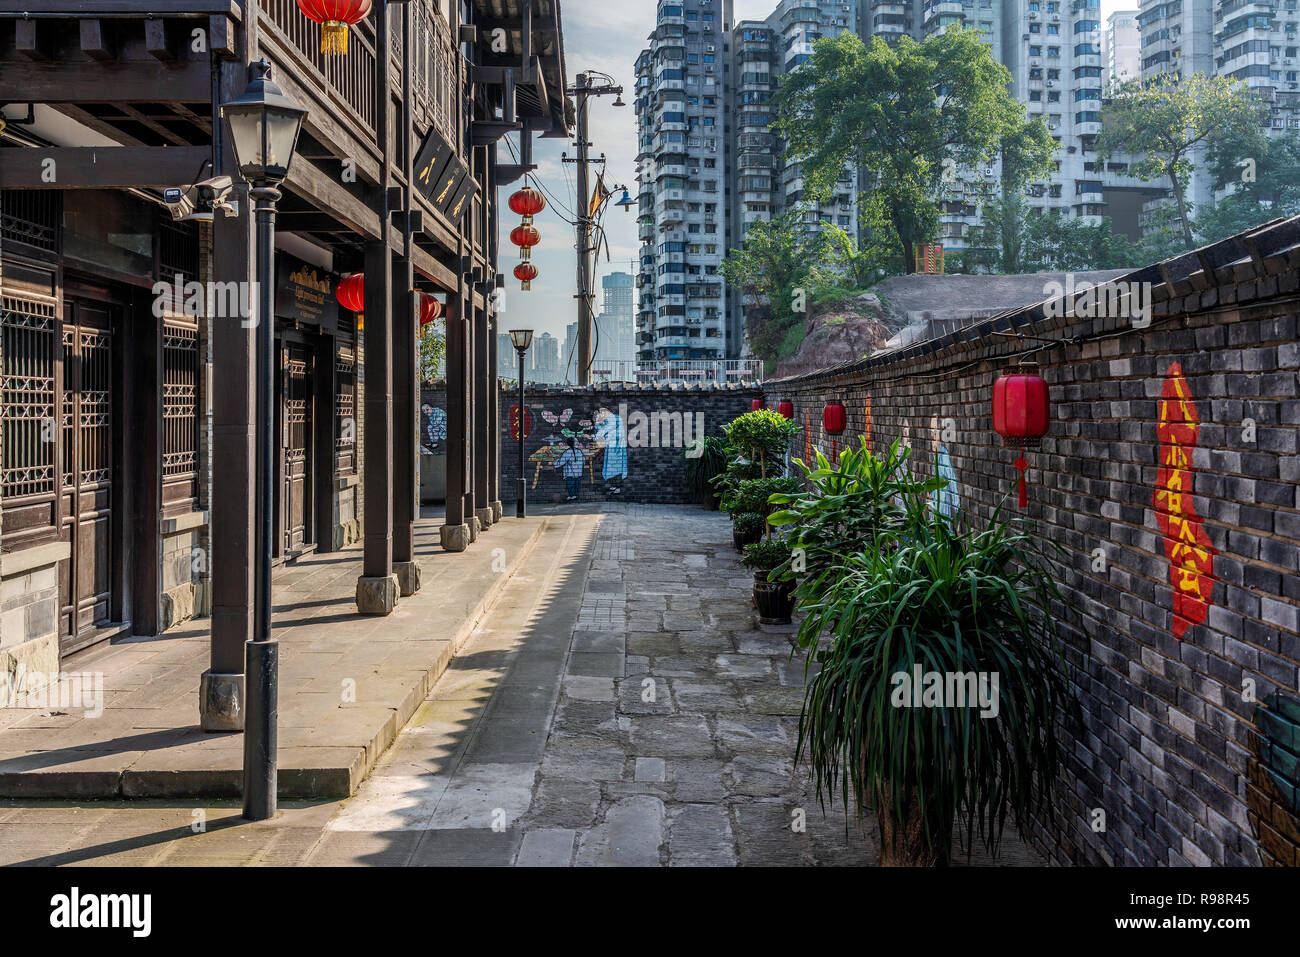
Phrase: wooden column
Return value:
(406, 388)
(455, 534)
(377, 588)
(221, 690)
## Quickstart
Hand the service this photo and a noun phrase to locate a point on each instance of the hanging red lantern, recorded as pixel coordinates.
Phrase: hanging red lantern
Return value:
(526, 272)
(1021, 413)
(351, 294)
(834, 419)
(786, 408)
(430, 309)
(334, 16)
(527, 202)
(755, 405)
(525, 236)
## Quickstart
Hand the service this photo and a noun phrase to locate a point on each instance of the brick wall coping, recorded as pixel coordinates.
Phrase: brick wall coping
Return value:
(1257, 254)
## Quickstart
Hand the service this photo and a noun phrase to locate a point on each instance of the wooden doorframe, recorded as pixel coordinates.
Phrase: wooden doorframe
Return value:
(130, 465)
(308, 341)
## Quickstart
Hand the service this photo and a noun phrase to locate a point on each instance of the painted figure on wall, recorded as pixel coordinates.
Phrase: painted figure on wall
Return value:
(570, 463)
(433, 429)
(947, 500)
(611, 437)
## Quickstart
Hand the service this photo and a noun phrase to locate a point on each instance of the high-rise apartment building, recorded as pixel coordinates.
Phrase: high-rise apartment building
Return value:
(681, 104)
(1122, 48)
(615, 335)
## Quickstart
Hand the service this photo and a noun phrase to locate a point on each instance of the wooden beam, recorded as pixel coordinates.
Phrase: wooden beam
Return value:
(103, 167)
(123, 8)
(323, 192)
(94, 43)
(429, 267)
(221, 36)
(122, 81)
(156, 41)
(27, 40)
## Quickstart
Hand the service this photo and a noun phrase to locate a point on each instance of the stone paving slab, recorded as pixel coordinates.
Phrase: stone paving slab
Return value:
(348, 684)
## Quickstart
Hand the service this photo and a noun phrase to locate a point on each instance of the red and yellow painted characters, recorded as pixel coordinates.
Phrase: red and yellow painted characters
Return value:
(1187, 546)
(866, 428)
(807, 437)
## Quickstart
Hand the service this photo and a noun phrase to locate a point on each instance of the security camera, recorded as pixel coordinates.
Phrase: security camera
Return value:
(201, 200)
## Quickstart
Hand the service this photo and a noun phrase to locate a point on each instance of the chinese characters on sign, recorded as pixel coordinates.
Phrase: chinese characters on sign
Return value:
(1187, 546)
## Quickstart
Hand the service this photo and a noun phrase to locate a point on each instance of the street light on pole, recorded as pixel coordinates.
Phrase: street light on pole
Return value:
(521, 339)
(264, 126)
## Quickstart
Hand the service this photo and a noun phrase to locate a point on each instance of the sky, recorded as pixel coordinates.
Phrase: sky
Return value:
(603, 35)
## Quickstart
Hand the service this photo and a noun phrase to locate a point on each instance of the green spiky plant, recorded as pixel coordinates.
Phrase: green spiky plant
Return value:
(924, 590)
(703, 467)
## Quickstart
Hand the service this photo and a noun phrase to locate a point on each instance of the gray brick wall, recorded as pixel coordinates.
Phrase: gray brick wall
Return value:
(1168, 747)
(657, 424)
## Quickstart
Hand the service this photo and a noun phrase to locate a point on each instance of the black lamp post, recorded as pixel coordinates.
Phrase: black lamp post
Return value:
(521, 339)
(264, 125)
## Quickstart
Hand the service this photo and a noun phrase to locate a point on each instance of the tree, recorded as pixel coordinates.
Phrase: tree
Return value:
(1263, 174)
(432, 349)
(1014, 237)
(908, 117)
(1167, 119)
(774, 267)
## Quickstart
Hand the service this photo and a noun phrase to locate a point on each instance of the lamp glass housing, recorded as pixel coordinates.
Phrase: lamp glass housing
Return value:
(521, 339)
(264, 126)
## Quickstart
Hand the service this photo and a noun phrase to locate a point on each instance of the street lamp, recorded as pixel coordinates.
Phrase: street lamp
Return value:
(521, 339)
(264, 126)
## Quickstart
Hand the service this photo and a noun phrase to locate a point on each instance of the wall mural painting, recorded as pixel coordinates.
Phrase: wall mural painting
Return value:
(433, 430)
(947, 499)
(572, 447)
(1187, 546)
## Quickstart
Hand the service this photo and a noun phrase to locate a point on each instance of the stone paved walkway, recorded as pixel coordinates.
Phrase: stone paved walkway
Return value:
(619, 706)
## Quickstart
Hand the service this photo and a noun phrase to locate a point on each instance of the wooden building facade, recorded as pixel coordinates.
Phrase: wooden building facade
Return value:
(127, 422)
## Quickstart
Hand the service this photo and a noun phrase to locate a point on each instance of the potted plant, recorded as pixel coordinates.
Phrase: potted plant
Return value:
(746, 528)
(773, 599)
(924, 597)
(702, 469)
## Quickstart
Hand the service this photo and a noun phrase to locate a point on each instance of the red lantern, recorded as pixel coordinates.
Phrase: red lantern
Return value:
(430, 309)
(334, 16)
(755, 405)
(1021, 413)
(786, 408)
(834, 418)
(351, 294)
(526, 272)
(525, 236)
(527, 202)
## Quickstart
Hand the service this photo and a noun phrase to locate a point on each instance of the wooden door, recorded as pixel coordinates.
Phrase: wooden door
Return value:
(295, 447)
(86, 577)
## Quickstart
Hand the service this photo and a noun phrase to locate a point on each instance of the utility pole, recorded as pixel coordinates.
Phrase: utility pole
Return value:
(581, 91)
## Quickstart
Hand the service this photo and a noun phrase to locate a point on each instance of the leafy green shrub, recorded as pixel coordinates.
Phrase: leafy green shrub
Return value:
(747, 523)
(765, 555)
(759, 436)
(703, 469)
(752, 495)
(843, 507)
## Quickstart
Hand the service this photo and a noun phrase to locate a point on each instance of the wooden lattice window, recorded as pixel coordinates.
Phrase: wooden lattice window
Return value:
(31, 217)
(29, 338)
(180, 402)
(345, 417)
(178, 251)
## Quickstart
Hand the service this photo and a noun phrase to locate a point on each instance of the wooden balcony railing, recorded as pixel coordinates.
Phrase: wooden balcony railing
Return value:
(349, 81)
